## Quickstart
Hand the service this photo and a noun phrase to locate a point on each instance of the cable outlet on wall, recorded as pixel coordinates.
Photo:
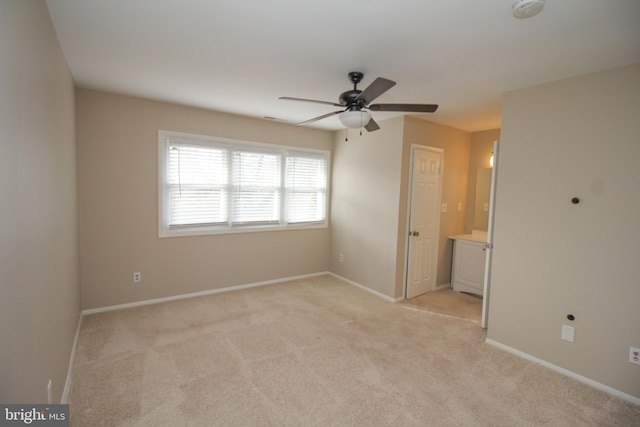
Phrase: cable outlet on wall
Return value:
(634, 355)
(137, 277)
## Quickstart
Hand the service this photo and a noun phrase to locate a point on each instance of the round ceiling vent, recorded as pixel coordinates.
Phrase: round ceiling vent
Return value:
(527, 8)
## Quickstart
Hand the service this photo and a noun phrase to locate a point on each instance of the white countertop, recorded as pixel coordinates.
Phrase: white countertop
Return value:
(474, 237)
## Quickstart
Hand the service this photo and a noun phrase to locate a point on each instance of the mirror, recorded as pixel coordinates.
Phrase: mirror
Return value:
(481, 205)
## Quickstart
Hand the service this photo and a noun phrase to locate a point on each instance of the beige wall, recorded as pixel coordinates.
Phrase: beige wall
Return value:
(118, 198)
(481, 151)
(365, 198)
(39, 286)
(370, 200)
(576, 137)
(456, 146)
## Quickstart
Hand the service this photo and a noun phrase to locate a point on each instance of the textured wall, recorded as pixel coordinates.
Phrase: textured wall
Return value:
(118, 198)
(370, 200)
(39, 286)
(365, 197)
(575, 137)
(456, 146)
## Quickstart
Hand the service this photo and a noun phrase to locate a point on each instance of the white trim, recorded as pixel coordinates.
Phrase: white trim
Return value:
(283, 151)
(563, 371)
(363, 287)
(441, 287)
(486, 290)
(67, 383)
(198, 294)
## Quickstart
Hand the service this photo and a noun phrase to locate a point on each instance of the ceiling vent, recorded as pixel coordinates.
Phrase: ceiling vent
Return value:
(527, 8)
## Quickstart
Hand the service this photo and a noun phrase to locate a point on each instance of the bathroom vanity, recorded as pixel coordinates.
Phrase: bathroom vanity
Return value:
(467, 270)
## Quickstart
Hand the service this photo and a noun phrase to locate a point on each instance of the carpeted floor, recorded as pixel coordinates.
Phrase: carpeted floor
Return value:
(314, 352)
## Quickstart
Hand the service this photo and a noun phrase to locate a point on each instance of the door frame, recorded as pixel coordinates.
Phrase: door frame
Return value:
(489, 246)
(439, 151)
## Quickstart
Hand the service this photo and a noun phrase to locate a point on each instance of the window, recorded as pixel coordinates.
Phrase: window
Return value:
(211, 185)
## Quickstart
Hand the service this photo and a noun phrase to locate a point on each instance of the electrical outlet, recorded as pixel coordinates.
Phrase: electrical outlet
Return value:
(341, 258)
(50, 392)
(634, 355)
(443, 208)
(137, 277)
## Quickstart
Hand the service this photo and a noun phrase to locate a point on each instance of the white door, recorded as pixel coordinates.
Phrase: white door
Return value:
(424, 221)
(489, 245)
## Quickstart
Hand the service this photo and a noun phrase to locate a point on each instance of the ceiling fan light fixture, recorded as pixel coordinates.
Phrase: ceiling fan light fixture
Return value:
(527, 8)
(355, 119)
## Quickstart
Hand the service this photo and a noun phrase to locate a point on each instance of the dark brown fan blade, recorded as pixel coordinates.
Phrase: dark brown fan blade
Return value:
(375, 89)
(372, 125)
(288, 98)
(324, 116)
(409, 108)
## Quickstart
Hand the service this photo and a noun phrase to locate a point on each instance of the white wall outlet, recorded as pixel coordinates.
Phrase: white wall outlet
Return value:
(137, 277)
(568, 333)
(50, 392)
(443, 209)
(341, 258)
(634, 355)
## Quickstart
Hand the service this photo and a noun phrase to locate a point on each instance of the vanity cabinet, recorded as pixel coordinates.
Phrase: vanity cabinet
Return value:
(467, 270)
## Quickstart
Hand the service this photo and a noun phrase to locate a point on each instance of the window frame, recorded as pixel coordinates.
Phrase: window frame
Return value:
(165, 138)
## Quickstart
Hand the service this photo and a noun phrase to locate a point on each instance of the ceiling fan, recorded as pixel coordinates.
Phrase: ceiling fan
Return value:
(355, 104)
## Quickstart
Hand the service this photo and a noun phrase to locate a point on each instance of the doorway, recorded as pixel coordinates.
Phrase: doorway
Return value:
(424, 220)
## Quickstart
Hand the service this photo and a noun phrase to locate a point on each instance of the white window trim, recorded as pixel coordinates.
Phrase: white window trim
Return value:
(163, 227)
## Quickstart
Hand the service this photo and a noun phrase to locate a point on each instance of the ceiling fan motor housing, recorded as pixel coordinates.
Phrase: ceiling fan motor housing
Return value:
(349, 97)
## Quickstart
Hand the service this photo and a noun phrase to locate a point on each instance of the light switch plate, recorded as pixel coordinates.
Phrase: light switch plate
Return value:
(444, 207)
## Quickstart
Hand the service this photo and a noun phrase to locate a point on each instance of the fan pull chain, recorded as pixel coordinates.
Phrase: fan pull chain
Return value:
(346, 135)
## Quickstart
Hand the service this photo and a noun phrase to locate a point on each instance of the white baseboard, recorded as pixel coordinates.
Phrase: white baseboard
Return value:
(376, 293)
(72, 357)
(198, 294)
(571, 374)
(445, 286)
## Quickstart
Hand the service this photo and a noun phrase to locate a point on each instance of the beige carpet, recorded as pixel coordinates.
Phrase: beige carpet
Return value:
(314, 352)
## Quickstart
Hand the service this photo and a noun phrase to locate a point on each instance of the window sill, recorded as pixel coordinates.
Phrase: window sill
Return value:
(207, 231)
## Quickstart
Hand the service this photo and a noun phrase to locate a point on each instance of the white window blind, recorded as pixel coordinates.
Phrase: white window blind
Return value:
(212, 185)
(306, 186)
(198, 189)
(256, 187)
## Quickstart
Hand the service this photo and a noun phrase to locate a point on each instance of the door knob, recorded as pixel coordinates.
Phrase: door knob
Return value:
(415, 233)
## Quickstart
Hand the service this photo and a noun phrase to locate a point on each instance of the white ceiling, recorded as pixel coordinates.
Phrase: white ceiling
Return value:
(239, 56)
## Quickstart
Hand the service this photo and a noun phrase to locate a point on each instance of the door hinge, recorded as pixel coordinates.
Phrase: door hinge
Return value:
(488, 245)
